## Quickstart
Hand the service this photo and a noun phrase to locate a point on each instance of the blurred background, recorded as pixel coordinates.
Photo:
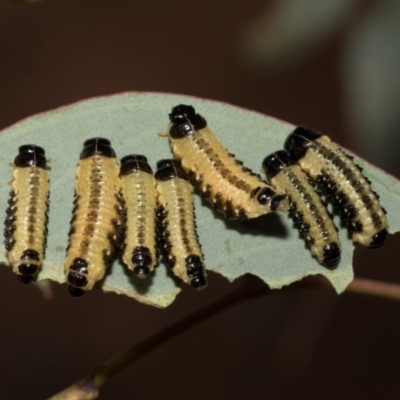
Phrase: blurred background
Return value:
(332, 65)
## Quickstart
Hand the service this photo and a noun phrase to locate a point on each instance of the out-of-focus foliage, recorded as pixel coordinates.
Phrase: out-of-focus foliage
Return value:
(290, 30)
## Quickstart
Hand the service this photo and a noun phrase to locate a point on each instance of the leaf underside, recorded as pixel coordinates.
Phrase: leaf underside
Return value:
(268, 246)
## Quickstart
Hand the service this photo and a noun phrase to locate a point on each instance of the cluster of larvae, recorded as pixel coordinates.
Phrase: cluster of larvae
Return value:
(122, 212)
(311, 166)
(126, 211)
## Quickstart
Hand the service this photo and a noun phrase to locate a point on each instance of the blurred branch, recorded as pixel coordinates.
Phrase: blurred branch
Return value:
(88, 388)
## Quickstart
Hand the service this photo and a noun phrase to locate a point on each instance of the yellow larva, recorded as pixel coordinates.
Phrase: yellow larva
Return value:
(341, 180)
(96, 224)
(306, 208)
(26, 222)
(231, 187)
(177, 229)
(140, 197)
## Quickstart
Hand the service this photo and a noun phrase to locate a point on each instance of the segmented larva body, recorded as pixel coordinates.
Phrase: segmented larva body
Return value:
(26, 222)
(231, 187)
(140, 197)
(337, 176)
(178, 239)
(96, 223)
(308, 212)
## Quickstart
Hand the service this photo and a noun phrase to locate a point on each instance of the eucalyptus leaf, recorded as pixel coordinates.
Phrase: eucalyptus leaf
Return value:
(268, 247)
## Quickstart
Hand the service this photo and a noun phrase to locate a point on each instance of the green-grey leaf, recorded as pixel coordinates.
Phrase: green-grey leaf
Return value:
(268, 246)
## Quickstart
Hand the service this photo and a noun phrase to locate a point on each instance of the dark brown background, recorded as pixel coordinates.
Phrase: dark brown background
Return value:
(287, 345)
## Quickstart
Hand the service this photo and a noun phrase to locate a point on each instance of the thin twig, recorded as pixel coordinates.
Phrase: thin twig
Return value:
(88, 388)
(375, 288)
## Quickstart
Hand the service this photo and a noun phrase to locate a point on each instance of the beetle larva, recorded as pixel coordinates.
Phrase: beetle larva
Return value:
(336, 175)
(231, 187)
(26, 222)
(96, 224)
(140, 197)
(178, 239)
(308, 212)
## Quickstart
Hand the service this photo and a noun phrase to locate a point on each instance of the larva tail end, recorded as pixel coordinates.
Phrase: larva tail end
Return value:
(76, 292)
(378, 239)
(25, 279)
(280, 202)
(331, 255)
(199, 282)
(142, 261)
(141, 271)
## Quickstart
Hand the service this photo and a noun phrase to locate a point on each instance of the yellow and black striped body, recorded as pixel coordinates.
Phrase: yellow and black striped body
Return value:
(96, 224)
(177, 235)
(231, 187)
(26, 222)
(337, 176)
(140, 198)
(308, 212)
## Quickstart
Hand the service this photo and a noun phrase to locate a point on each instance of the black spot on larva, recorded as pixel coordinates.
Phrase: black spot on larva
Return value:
(303, 228)
(97, 146)
(30, 156)
(134, 162)
(185, 121)
(76, 292)
(10, 244)
(76, 279)
(171, 262)
(378, 239)
(355, 226)
(331, 255)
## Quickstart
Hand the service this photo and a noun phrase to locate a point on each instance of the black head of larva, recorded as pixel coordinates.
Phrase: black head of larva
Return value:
(133, 163)
(297, 143)
(30, 156)
(185, 121)
(331, 255)
(168, 169)
(276, 162)
(97, 147)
